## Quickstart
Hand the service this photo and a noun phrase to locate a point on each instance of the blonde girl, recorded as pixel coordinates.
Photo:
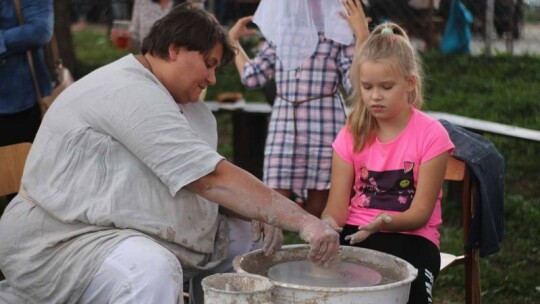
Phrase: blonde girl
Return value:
(389, 160)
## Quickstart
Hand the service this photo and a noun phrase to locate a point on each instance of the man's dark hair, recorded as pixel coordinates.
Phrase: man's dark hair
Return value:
(190, 27)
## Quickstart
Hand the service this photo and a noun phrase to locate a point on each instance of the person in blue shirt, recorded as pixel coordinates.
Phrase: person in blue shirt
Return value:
(20, 116)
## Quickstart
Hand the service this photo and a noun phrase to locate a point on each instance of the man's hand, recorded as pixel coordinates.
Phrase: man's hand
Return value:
(331, 222)
(324, 241)
(272, 236)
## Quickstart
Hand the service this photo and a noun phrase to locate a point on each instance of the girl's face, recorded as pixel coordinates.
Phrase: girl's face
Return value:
(384, 91)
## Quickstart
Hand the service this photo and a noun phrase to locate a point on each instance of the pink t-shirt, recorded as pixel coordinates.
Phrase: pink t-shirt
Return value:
(386, 174)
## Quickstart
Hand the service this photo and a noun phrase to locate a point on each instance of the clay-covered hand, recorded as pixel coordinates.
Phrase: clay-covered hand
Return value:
(240, 29)
(272, 236)
(365, 231)
(356, 18)
(332, 223)
(324, 241)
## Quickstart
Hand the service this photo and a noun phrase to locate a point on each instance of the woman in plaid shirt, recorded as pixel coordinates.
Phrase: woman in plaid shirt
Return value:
(309, 53)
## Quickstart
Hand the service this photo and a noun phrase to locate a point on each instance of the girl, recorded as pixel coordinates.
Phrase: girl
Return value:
(309, 54)
(391, 157)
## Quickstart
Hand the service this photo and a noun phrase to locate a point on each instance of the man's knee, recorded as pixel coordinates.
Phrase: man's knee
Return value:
(139, 269)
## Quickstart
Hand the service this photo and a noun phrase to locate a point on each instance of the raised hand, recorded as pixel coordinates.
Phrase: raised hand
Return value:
(240, 29)
(357, 20)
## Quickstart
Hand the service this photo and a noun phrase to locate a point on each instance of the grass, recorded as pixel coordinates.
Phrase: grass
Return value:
(502, 89)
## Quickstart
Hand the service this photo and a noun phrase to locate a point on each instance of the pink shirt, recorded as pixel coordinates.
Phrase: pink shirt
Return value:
(386, 174)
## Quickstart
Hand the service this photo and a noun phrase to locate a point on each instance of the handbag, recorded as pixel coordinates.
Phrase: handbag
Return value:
(63, 75)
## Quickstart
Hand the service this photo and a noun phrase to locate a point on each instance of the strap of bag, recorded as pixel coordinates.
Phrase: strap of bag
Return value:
(28, 53)
(54, 51)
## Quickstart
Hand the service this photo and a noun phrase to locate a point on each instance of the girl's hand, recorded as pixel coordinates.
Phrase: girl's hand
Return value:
(240, 29)
(365, 231)
(356, 18)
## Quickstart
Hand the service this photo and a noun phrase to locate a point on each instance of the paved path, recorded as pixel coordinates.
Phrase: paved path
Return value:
(529, 43)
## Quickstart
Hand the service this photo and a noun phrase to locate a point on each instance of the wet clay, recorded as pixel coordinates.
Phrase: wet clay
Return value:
(341, 274)
(259, 264)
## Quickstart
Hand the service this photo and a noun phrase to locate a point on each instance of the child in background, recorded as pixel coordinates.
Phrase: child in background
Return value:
(393, 159)
(309, 54)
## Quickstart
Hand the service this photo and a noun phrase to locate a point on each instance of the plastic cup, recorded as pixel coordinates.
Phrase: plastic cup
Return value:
(120, 34)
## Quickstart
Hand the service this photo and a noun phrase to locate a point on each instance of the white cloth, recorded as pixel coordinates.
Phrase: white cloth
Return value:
(139, 270)
(293, 27)
(110, 162)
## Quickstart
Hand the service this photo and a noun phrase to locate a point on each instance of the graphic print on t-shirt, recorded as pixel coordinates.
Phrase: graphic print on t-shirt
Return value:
(391, 190)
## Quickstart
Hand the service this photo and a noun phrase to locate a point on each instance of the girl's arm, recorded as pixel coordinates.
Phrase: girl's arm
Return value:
(337, 206)
(430, 181)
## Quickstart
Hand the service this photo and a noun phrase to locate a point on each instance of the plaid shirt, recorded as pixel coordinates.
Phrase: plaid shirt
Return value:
(319, 76)
(298, 152)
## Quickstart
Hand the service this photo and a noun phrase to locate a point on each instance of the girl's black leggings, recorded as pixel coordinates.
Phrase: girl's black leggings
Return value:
(417, 250)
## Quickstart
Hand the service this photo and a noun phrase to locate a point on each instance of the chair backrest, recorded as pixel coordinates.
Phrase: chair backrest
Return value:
(458, 171)
(12, 159)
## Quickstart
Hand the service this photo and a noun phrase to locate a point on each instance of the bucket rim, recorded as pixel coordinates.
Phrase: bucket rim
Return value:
(271, 285)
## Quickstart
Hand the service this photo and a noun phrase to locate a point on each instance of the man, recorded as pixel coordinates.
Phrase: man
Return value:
(123, 194)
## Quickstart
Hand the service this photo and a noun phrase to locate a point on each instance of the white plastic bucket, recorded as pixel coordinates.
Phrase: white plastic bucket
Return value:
(237, 288)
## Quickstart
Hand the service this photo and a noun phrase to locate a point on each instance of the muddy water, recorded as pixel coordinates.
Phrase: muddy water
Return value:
(389, 270)
(342, 274)
(396, 276)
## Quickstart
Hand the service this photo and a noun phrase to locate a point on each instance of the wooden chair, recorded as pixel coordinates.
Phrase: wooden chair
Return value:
(457, 171)
(12, 159)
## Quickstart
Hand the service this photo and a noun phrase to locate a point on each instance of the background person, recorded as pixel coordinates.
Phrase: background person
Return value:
(309, 54)
(392, 157)
(20, 115)
(143, 16)
(122, 190)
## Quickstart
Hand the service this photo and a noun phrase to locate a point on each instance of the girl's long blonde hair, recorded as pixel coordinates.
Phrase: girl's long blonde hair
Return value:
(388, 43)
